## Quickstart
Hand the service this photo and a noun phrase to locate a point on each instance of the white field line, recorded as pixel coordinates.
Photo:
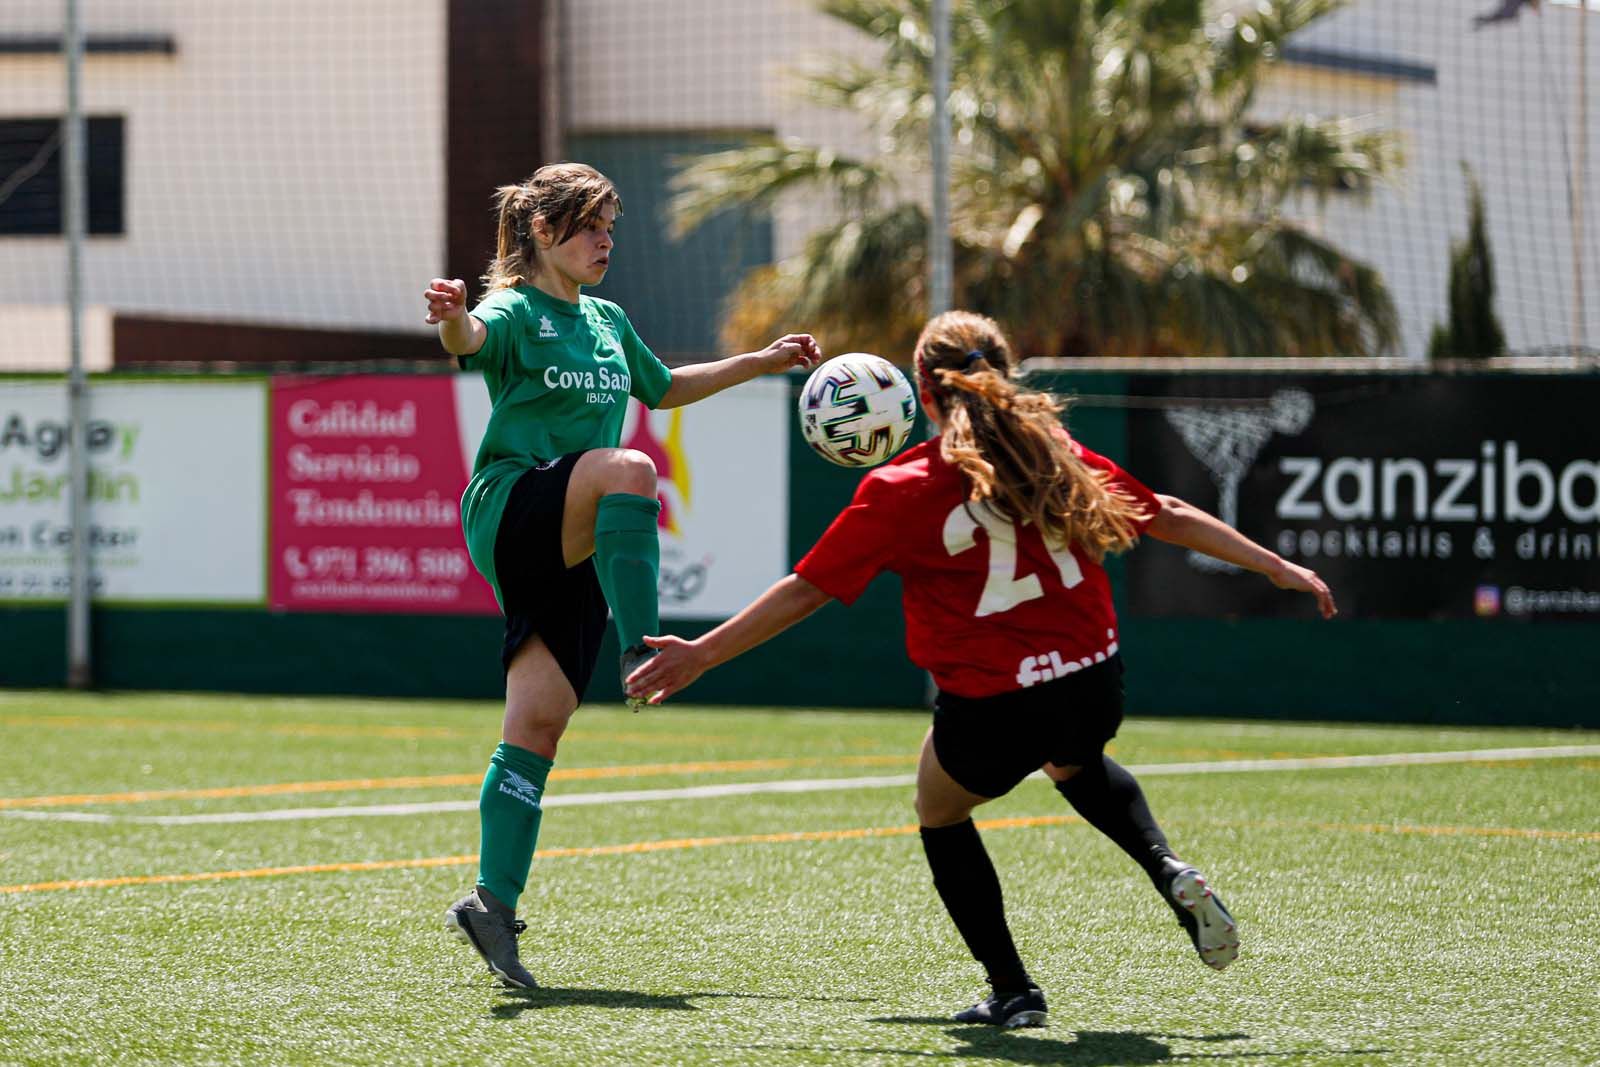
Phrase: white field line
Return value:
(1382, 759)
(620, 796)
(810, 785)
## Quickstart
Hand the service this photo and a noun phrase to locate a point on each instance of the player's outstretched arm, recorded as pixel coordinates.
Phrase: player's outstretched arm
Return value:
(1184, 524)
(680, 662)
(700, 380)
(459, 332)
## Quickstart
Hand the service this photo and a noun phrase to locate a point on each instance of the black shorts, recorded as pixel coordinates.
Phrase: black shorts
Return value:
(989, 744)
(541, 595)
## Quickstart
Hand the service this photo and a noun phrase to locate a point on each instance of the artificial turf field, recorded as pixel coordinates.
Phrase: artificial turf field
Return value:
(175, 889)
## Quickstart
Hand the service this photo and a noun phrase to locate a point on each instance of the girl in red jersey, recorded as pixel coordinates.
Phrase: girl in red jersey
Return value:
(1016, 627)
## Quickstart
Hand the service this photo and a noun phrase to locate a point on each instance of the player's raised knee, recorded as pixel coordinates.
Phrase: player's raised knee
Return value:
(627, 470)
(636, 472)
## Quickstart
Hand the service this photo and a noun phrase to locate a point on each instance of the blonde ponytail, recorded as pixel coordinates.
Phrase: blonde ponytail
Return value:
(1008, 443)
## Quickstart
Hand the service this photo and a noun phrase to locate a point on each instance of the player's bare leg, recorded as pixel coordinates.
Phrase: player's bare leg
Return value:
(539, 704)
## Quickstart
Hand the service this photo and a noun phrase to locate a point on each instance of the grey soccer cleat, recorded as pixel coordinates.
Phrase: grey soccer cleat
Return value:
(632, 656)
(492, 928)
(1203, 915)
(1007, 1010)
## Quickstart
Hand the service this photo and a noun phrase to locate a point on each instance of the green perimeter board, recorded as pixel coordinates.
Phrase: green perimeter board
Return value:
(1447, 671)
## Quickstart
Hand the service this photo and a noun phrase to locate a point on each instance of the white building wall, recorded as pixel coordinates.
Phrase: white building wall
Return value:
(1505, 103)
(285, 166)
(632, 66)
(1504, 97)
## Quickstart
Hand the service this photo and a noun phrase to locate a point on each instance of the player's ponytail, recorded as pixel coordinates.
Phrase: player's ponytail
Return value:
(568, 196)
(1008, 441)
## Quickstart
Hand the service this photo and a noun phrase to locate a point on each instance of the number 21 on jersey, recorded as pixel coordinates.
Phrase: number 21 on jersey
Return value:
(1002, 589)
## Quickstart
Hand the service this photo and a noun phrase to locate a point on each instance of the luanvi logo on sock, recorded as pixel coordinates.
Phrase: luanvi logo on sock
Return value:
(517, 786)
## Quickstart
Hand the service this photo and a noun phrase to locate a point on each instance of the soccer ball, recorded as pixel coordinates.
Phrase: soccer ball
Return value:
(857, 410)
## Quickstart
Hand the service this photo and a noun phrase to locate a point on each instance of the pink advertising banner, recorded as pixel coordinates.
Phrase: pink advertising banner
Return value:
(367, 475)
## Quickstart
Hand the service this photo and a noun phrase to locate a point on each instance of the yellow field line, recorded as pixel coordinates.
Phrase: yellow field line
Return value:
(629, 848)
(276, 789)
(346, 785)
(223, 876)
(789, 837)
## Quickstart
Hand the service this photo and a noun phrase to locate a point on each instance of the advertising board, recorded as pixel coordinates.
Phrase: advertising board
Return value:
(176, 491)
(1413, 496)
(368, 471)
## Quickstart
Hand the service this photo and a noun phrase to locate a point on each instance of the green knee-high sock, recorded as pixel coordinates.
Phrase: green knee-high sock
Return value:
(627, 559)
(508, 814)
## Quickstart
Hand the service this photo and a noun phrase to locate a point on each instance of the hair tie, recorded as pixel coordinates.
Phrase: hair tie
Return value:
(972, 357)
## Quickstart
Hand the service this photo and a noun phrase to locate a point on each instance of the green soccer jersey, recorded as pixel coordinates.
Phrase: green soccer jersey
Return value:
(559, 378)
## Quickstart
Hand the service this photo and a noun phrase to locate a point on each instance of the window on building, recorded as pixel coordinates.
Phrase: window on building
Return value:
(673, 291)
(30, 176)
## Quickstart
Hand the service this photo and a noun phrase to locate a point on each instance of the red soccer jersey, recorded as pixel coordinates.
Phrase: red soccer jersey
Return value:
(978, 618)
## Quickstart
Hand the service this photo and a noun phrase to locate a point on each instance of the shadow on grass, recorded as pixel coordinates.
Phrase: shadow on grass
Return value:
(1085, 1048)
(513, 1002)
(1089, 1048)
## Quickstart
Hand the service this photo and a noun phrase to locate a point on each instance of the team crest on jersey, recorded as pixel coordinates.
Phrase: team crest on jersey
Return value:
(546, 327)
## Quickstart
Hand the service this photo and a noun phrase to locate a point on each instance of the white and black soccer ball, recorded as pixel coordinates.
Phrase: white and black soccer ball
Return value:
(857, 410)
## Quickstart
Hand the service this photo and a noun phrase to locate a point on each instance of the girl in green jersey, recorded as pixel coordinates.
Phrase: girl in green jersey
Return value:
(559, 519)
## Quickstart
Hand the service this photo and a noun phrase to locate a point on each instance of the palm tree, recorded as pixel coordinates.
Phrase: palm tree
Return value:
(1109, 193)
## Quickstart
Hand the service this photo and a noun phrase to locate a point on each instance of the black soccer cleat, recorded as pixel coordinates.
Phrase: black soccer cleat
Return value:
(492, 928)
(1201, 912)
(632, 656)
(1007, 1010)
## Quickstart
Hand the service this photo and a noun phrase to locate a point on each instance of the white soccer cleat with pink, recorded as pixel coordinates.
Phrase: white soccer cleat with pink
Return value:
(1212, 929)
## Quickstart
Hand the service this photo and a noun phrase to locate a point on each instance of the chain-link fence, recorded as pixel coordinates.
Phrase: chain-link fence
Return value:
(1279, 187)
(1140, 177)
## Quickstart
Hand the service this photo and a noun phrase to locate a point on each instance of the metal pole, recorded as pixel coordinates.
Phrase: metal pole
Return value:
(939, 251)
(72, 188)
(1580, 185)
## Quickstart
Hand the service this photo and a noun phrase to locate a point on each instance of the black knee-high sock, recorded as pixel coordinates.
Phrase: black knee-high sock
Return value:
(970, 889)
(1110, 800)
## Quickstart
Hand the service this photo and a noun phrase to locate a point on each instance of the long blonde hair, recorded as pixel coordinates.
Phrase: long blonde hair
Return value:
(568, 196)
(1008, 443)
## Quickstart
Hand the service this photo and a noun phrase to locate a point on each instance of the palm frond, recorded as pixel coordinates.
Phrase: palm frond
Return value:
(1109, 195)
(756, 175)
(1323, 301)
(1246, 40)
(1208, 313)
(858, 266)
(857, 285)
(894, 99)
(1299, 155)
